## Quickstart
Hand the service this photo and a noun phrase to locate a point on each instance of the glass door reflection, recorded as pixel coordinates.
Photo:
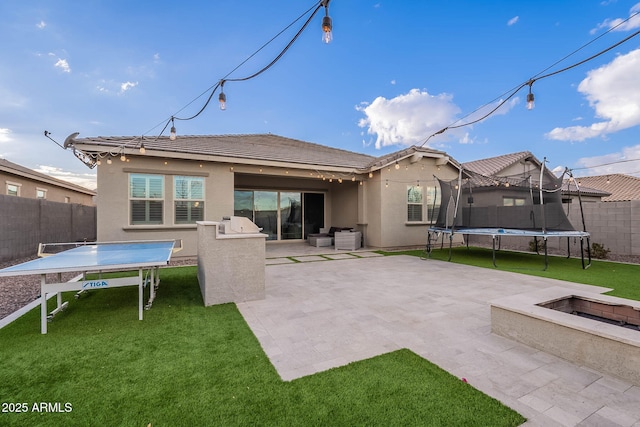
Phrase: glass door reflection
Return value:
(265, 205)
(290, 215)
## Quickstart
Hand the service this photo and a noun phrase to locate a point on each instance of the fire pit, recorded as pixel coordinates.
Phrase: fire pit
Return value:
(590, 337)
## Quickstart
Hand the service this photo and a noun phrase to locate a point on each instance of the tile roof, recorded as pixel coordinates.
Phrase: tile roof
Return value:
(571, 188)
(16, 169)
(494, 165)
(619, 186)
(266, 147)
(263, 147)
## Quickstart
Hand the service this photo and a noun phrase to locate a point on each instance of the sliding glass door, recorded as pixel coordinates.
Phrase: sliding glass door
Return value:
(283, 215)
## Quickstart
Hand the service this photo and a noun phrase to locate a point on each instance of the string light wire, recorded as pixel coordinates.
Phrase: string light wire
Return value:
(512, 92)
(214, 88)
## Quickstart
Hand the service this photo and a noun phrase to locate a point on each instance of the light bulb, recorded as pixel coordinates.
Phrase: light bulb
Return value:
(327, 27)
(172, 134)
(109, 161)
(370, 174)
(530, 101)
(397, 166)
(142, 149)
(223, 101)
(99, 162)
(123, 158)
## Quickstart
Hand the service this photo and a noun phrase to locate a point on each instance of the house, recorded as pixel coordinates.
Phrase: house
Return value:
(524, 164)
(159, 187)
(20, 181)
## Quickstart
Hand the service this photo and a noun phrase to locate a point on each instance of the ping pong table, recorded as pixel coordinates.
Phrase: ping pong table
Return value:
(145, 256)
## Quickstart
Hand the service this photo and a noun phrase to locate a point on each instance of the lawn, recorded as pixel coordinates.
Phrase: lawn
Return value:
(621, 278)
(186, 364)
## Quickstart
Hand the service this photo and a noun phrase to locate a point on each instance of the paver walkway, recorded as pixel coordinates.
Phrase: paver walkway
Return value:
(319, 315)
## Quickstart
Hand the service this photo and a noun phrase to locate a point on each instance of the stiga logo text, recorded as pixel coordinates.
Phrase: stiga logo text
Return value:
(95, 284)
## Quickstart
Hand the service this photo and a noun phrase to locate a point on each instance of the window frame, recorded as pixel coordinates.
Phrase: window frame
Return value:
(515, 201)
(411, 204)
(147, 198)
(192, 201)
(13, 184)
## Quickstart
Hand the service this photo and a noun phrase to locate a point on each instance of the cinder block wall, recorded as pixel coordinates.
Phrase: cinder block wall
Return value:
(26, 222)
(615, 225)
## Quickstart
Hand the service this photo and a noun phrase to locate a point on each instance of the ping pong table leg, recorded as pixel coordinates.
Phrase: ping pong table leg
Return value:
(140, 293)
(59, 293)
(43, 305)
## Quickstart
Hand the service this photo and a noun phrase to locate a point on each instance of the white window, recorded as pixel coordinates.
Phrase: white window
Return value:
(414, 203)
(13, 189)
(41, 193)
(433, 203)
(423, 203)
(189, 199)
(146, 198)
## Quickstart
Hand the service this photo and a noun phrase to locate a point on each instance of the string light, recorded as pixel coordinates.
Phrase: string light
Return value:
(142, 149)
(222, 98)
(530, 98)
(327, 26)
(172, 134)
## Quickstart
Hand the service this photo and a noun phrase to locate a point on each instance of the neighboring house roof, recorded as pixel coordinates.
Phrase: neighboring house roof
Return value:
(619, 187)
(570, 188)
(261, 148)
(494, 165)
(21, 171)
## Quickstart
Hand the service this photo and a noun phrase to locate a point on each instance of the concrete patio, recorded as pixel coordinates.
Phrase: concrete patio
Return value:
(348, 306)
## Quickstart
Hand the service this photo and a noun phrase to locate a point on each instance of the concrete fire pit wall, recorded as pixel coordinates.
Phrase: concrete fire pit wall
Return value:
(231, 267)
(606, 348)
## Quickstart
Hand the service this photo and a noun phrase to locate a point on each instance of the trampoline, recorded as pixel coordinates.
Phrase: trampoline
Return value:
(510, 206)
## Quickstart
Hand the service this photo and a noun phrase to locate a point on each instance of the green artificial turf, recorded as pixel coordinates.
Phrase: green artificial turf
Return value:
(190, 365)
(621, 278)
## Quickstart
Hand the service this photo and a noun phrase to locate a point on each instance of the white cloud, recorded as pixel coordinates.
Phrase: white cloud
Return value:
(87, 180)
(63, 65)
(513, 20)
(393, 82)
(4, 135)
(626, 161)
(41, 25)
(407, 119)
(127, 85)
(631, 24)
(613, 90)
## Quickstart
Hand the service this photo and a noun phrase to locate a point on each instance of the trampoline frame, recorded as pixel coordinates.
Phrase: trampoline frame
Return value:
(498, 233)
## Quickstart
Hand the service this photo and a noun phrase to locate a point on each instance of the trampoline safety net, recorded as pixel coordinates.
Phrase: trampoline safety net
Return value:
(479, 201)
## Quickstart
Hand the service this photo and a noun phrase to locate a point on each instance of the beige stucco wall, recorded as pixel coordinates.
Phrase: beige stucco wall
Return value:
(387, 224)
(378, 207)
(29, 187)
(113, 199)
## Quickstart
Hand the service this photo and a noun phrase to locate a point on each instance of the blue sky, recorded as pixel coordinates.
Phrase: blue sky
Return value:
(395, 73)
